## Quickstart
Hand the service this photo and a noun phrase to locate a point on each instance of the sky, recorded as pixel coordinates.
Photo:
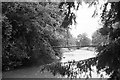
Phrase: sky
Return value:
(85, 22)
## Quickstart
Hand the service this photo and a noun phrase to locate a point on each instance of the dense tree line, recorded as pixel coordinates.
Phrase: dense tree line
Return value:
(29, 30)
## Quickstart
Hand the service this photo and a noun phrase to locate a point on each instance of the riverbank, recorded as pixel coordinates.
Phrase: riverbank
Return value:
(35, 71)
(31, 72)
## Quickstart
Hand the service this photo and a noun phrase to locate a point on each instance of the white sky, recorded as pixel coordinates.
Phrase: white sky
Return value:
(85, 22)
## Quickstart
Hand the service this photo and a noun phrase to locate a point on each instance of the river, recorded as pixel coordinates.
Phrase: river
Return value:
(34, 72)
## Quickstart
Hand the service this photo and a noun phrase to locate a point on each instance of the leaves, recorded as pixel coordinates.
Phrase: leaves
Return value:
(98, 38)
(29, 32)
(69, 15)
(71, 69)
(108, 54)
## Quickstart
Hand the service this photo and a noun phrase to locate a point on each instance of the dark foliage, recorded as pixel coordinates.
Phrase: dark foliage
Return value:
(109, 55)
(29, 30)
(72, 69)
(69, 15)
(98, 39)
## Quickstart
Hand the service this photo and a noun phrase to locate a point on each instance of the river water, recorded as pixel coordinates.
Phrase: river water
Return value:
(34, 72)
(83, 54)
(78, 55)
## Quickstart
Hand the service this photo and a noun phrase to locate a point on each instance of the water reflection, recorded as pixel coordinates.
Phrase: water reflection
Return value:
(78, 55)
(76, 64)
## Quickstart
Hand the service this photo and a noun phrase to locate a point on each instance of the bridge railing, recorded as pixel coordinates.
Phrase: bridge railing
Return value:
(74, 46)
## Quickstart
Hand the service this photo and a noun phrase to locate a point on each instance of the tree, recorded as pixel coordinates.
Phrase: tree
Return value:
(83, 40)
(29, 30)
(109, 57)
(98, 39)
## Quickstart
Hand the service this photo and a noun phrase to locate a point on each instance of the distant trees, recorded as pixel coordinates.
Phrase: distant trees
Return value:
(98, 39)
(72, 41)
(83, 40)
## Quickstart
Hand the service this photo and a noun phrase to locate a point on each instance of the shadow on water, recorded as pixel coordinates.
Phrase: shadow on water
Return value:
(72, 69)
